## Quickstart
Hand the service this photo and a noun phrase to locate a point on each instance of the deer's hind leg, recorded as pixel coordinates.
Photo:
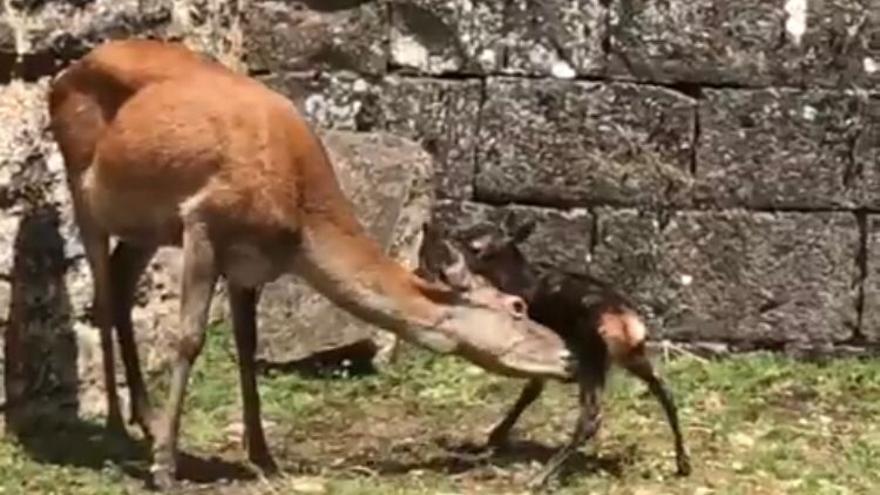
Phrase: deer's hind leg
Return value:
(128, 263)
(200, 275)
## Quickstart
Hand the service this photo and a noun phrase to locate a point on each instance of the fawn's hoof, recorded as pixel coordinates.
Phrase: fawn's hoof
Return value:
(265, 462)
(539, 482)
(116, 425)
(498, 439)
(684, 466)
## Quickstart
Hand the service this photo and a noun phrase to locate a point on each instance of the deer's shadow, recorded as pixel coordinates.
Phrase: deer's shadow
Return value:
(87, 444)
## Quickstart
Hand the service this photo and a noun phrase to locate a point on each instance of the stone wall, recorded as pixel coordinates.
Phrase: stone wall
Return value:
(716, 159)
(719, 160)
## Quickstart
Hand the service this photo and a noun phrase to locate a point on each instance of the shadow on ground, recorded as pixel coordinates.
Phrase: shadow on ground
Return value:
(85, 444)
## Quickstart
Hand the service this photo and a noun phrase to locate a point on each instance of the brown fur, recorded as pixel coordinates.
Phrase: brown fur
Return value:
(165, 147)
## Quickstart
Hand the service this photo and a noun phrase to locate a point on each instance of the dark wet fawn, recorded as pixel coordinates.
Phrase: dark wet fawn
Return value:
(598, 323)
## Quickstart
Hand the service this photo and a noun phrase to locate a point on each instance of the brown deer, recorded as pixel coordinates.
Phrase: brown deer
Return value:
(163, 147)
(600, 325)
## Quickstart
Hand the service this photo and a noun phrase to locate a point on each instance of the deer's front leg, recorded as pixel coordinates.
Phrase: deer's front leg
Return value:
(500, 433)
(199, 278)
(243, 305)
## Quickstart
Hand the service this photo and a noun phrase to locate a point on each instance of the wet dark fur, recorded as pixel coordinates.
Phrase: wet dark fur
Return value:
(569, 304)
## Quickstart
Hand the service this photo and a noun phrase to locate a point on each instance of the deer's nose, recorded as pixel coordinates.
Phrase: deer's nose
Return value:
(517, 306)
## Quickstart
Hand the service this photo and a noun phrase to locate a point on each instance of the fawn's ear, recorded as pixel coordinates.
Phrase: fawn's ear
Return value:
(523, 231)
(456, 273)
(517, 229)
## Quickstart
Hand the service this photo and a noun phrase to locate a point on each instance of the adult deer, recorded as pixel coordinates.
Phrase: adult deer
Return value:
(165, 148)
(600, 324)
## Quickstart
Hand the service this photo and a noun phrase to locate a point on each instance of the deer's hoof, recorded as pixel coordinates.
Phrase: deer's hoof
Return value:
(162, 478)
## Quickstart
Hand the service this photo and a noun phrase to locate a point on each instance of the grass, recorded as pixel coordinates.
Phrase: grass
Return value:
(757, 424)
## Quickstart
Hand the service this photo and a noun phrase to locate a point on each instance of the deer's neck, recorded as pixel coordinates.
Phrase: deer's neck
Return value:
(351, 269)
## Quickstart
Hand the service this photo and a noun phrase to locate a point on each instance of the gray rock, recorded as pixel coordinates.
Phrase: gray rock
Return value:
(870, 327)
(751, 42)
(866, 155)
(68, 30)
(561, 239)
(300, 35)
(341, 100)
(445, 36)
(781, 148)
(442, 116)
(388, 179)
(7, 42)
(582, 143)
(736, 276)
(555, 38)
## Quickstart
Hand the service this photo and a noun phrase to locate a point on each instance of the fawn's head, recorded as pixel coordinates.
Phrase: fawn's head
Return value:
(492, 255)
(500, 319)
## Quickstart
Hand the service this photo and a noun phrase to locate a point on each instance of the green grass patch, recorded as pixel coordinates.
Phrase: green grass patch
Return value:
(756, 424)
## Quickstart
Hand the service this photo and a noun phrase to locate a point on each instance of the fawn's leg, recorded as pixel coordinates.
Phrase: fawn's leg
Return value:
(587, 425)
(243, 305)
(499, 434)
(127, 264)
(199, 278)
(641, 367)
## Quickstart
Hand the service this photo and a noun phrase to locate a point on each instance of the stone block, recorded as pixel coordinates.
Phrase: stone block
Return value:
(572, 143)
(751, 42)
(562, 238)
(442, 116)
(447, 36)
(70, 29)
(282, 36)
(556, 38)
(781, 148)
(870, 328)
(332, 100)
(736, 276)
(866, 155)
(551, 38)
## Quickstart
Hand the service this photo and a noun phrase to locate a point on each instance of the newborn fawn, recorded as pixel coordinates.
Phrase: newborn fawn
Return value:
(598, 323)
